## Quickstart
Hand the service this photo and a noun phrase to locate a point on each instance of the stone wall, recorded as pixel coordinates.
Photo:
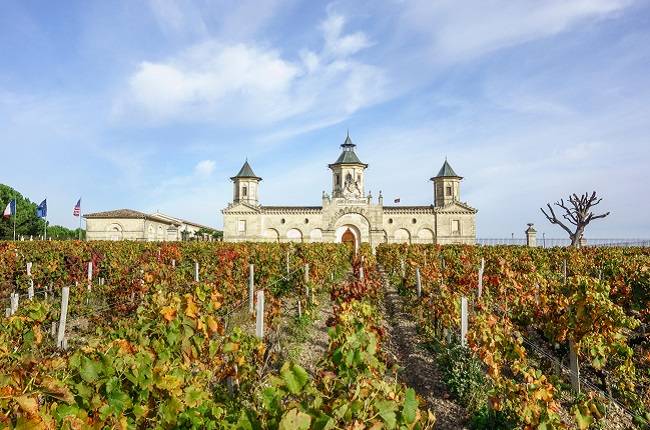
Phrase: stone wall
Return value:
(130, 229)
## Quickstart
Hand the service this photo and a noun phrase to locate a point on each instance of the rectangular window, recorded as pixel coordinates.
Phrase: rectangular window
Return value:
(244, 191)
(448, 191)
(455, 226)
(241, 226)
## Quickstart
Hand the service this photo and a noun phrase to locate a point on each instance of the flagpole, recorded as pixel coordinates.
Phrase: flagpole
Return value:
(80, 218)
(15, 215)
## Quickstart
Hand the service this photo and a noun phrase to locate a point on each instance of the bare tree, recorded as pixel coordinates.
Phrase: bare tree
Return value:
(578, 213)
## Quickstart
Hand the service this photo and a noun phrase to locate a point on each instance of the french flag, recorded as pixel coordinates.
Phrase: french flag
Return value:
(10, 209)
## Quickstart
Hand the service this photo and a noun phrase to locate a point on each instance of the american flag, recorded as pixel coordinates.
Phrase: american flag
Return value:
(77, 208)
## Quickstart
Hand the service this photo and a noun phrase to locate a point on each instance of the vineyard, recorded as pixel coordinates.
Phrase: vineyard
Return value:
(162, 336)
(534, 317)
(218, 335)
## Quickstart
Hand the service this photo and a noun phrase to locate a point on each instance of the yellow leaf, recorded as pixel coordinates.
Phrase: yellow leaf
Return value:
(38, 334)
(28, 404)
(168, 312)
(191, 308)
(212, 324)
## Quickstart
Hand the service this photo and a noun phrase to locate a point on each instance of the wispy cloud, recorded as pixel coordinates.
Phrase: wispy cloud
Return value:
(248, 84)
(460, 31)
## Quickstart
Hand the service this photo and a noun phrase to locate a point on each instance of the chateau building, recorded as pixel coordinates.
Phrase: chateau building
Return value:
(127, 224)
(348, 214)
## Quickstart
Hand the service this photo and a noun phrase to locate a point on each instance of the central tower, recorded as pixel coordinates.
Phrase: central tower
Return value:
(347, 173)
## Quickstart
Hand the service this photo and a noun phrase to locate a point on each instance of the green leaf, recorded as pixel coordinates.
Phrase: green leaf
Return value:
(119, 400)
(89, 370)
(583, 421)
(324, 422)
(386, 409)
(295, 377)
(295, 420)
(271, 400)
(410, 407)
(194, 396)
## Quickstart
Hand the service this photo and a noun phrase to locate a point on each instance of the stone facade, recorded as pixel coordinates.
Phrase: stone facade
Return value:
(127, 224)
(348, 214)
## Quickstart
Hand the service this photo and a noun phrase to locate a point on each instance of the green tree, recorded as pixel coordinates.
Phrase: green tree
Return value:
(27, 223)
(203, 231)
(57, 232)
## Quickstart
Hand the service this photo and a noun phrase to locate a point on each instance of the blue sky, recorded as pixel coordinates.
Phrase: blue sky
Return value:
(154, 105)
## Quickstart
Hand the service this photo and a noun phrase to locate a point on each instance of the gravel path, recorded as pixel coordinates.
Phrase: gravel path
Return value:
(315, 347)
(417, 366)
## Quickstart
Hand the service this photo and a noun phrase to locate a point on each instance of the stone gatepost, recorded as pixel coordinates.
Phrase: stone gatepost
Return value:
(531, 235)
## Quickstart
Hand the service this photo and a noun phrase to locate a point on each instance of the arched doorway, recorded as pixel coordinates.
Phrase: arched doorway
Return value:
(349, 239)
(348, 234)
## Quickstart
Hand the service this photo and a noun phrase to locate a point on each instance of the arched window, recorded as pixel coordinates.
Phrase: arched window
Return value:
(338, 179)
(244, 191)
(348, 178)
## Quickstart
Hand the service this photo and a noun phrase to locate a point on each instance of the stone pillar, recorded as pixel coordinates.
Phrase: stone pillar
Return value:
(531, 236)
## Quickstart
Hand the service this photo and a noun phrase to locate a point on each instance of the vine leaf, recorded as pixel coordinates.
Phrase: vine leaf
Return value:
(295, 420)
(410, 407)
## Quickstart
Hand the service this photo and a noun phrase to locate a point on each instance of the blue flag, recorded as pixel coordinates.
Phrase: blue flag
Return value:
(41, 210)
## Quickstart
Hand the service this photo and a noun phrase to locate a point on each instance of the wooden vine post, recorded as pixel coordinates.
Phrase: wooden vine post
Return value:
(307, 291)
(418, 282)
(30, 289)
(259, 323)
(90, 275)
(480, 278)
(575, 367)
(60, 339)
(196, 271)
(251, 288)
(463, 321)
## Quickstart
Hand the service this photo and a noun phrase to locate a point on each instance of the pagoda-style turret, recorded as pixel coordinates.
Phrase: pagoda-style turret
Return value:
(245, 185)
(347, 172)
(446, 186)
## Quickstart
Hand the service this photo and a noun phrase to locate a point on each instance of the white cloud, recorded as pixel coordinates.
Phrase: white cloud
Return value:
(248, 84)
(459, 31)
(204, 167)
(338, 44)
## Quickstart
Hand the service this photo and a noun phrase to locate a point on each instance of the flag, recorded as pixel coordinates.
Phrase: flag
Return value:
(77, 208)
(10, 209)
(41, 210)
(397, 200)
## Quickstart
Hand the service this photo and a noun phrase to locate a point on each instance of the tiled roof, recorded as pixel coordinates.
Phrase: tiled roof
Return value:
(246, 172)
(130, 214)
(446, 171)
(180, 220)
(119, 213)
(348, 156)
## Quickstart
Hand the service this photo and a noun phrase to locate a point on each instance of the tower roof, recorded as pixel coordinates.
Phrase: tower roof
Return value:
(446, 171)
(347, 155)
(246, 172)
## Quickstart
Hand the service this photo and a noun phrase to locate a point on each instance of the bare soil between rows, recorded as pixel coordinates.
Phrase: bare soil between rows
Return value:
(418, 367)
